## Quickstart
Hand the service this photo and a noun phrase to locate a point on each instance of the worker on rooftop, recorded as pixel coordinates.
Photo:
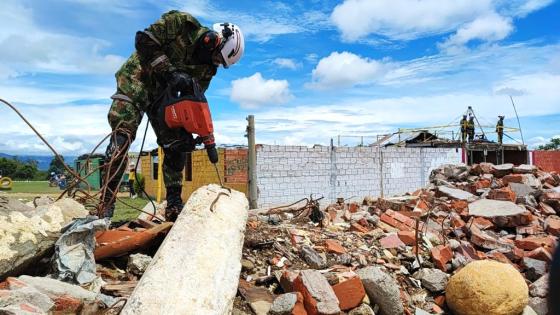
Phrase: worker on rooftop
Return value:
(464, 125)
(500, 129)
(174, 51)
(470, 129)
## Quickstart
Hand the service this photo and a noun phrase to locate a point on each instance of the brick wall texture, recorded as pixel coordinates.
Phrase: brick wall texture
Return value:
(288, 173)
(203, 172)
(547, 160)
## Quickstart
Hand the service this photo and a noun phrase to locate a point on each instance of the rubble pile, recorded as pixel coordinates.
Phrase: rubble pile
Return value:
(67, 260)
(407, 254)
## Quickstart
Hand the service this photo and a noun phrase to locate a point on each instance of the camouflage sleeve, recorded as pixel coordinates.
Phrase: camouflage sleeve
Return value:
(152, 43)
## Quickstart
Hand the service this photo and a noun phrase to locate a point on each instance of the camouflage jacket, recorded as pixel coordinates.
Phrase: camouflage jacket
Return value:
(169, 45)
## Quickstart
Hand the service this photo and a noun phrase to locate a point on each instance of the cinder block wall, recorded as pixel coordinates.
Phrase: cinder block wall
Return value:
(288, 173)
(547, 160)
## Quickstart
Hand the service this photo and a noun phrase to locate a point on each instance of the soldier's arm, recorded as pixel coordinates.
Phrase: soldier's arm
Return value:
(152, 43)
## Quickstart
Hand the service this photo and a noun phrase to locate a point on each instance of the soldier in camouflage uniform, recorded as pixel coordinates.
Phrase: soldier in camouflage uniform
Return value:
(174, 50)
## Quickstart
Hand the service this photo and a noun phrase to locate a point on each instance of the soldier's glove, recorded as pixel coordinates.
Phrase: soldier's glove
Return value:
(180, 82)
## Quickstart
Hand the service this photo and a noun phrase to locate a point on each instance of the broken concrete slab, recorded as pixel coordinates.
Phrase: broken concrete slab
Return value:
(284, 304)
(205, 241)
(521, 190)
(26, 236)
(525, 169)
(539, 288)
(56, 289)
(434, 280)
(502, 170)
(312, 258)
(318, 296)
(489, 208)
(138, 263)
(382, 289)
(456, 193)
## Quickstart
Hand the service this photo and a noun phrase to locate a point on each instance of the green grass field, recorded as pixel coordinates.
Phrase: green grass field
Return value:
(124, 212)
(34, 188)
(29, 190)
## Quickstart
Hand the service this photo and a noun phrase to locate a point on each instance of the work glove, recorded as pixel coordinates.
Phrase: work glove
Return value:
(212, 153)
(180, 82)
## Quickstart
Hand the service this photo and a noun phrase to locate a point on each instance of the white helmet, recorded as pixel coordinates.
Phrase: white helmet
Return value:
(233, 43)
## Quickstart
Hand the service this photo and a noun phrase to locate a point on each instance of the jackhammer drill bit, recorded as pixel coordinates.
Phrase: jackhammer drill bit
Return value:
(218, 174)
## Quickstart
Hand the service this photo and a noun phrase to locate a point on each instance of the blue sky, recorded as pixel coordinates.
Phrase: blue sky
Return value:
(312, 70)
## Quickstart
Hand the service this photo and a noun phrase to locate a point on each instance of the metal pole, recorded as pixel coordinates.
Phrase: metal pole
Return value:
(252, 167)
(518, 123)
(160, 174)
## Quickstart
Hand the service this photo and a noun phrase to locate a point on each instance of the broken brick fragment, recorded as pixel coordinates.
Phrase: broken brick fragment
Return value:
(540, 254)
(483, 223)
(334, 246)
(441, 255)
(391, 241)
(407, 237)
(504, 194)
(483, 183)
(553, 225)
(356, 227)
(512, 178)
(318, 296)
(350, 293)
(531, 243)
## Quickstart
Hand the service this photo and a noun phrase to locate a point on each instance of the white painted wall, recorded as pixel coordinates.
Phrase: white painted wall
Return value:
(288, 173)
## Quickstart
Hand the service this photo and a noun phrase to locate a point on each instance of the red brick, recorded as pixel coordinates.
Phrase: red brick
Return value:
(350, 293)
(483, 223)
(408, 237)
(540, 254)
(441, 255)
(355, 227)
(391, 241)
(394, 223)
(530, 243)
(317, 293)
(287, 280)
(440, 300)
(512, 178)
(334, 246)
(504, 193)
(546, 209)
(483, 183)
(299, 308)
(67, 304)
(553, 226)
(459, 205)
(353, 207)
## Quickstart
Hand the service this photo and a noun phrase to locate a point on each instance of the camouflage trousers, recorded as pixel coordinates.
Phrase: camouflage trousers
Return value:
(130, 102)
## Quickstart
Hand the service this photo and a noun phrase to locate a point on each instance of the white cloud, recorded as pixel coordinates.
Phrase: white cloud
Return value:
(287, 63)
(345, 69)
(255, 91)
(28, 48)
(405, 19)
(489, 28)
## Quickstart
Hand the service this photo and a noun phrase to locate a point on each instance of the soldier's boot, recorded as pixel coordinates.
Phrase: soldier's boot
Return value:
(116, 152)
(174, 203)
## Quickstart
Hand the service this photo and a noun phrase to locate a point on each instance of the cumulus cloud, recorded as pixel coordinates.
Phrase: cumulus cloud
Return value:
(489, 28)
(345, 69)
(486, 20)
(287, 63)
(255, 91)
(403, 19)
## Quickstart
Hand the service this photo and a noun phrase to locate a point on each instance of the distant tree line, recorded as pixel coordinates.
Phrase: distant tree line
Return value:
(27, 170)
(554, 144)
